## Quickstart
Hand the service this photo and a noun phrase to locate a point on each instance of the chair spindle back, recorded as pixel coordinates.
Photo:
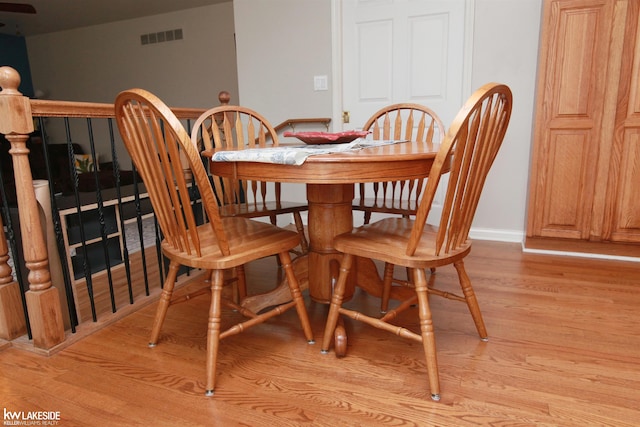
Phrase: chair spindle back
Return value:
(470, 147)
(404, 121)
(235, 127)
(162, 152)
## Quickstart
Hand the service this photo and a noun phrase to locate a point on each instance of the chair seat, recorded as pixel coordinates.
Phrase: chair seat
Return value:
(248, 240)
(261, 209)
(386, 240)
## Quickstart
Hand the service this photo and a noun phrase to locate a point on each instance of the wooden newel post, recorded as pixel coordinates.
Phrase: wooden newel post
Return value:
(224, 97)
(43, 300)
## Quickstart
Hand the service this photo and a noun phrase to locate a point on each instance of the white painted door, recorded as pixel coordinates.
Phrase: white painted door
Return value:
(402, 51)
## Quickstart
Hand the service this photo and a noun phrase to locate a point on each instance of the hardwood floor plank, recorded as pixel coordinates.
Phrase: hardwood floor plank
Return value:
(563, 350)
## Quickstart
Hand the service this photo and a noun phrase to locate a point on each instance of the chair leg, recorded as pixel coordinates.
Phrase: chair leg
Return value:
(472, 302)
(367, 217)
(274, 221)
(213, 330)
(241, 281)
(336, 302)
(387, 280)
(163, 304)
(304, 245)
(296, 294)
(426, 328)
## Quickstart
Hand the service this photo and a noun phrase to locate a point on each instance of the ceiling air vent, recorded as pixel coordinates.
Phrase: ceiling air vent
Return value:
(161, 37)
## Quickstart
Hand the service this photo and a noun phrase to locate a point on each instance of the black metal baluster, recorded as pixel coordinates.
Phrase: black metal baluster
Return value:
(86, 263)
(101, 221)
(116, 175)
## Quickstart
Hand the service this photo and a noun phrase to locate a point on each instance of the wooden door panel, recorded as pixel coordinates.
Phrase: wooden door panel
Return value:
(574, 88)
(625, 194)
(585, 171)
(564, 197)
(621, 222)
(569, 113)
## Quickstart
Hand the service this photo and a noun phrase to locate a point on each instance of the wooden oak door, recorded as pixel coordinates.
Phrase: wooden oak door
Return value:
(621, 216)
(586, 159)
(570, 107)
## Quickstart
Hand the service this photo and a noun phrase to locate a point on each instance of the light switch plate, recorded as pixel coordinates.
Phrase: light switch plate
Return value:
(320, 83)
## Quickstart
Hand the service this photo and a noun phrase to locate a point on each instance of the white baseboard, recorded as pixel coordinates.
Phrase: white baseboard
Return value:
(512, 236)
(580, 254)
(515, 236)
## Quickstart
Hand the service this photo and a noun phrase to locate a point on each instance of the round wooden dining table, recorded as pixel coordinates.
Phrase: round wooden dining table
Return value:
(330, 180)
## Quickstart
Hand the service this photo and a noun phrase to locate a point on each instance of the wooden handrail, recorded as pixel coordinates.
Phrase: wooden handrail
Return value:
(44, 108)
(224, 98)
(293, 122)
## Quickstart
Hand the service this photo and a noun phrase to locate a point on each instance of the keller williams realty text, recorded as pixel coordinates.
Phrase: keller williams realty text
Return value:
(31, 417)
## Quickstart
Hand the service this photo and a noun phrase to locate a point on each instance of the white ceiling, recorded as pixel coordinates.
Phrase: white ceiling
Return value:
(58, 15)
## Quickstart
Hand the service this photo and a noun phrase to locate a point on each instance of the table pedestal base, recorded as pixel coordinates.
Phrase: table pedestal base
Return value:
(367, 278)
(330, 214)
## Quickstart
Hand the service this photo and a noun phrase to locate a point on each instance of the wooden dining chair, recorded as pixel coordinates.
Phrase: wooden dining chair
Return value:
(230, 127)
(162, 152)
(467, 153)
(405, 121)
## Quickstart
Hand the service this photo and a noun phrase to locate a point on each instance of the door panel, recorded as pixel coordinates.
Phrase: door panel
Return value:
(375, 60)
(622, 214)
(402, 51)
(572, 85)
(564, 216)
(428, 69)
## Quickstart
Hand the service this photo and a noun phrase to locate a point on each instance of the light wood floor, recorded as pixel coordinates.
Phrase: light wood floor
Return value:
(564, 350)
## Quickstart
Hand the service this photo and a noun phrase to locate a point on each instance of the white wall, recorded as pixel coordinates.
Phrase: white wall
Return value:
(505, 40)
(96, 63)
(281, 45)
(276, 65)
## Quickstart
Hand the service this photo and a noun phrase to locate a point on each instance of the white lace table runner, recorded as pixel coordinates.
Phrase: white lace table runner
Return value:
(294, 154)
